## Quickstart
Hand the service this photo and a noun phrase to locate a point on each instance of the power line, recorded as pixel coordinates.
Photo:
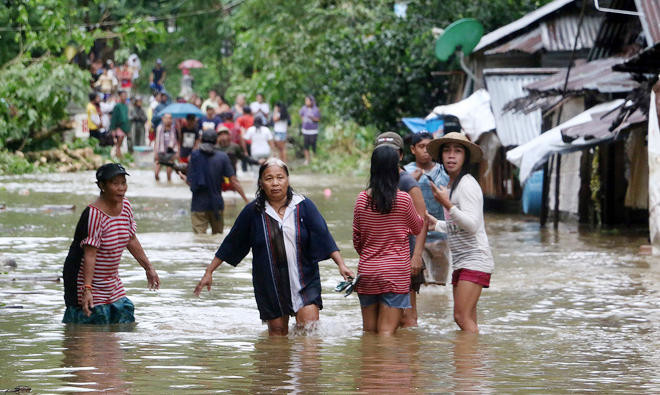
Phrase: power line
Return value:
(226, 8)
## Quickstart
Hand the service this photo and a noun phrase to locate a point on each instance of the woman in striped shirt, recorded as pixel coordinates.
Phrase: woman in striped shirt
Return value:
(93, 292)
(383, 218)
(463, 205)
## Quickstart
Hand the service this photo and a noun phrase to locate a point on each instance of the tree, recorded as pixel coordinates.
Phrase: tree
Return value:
(37, 42)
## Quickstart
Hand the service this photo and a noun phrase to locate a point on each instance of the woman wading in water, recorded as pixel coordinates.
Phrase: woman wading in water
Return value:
(463, 204)
(288, 237)
(383, 218)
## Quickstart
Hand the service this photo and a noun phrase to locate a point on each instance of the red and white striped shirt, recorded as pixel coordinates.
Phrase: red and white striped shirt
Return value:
(109, 235)
(381, 240)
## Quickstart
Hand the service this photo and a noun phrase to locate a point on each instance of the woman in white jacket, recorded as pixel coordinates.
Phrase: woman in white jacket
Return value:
(463, 204)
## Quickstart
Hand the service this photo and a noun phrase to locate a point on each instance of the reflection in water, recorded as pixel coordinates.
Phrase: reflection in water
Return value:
(287, 364)
(390, 363)
(95, 353)
(471, 364)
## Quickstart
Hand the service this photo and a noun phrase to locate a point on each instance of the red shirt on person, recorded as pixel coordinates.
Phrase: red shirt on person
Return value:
(244, 122)
(109, 235)
(381, 240)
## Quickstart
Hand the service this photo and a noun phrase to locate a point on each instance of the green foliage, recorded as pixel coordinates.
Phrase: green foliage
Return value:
(36, 96)
(37, 83)
(17, 164)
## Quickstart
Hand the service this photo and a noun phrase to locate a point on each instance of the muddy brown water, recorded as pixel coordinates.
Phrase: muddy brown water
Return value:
(567, 310)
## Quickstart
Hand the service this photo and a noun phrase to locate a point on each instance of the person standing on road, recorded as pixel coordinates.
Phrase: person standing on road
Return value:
(206, 171)
(188, 137)
(288, 238)
(383, 219)
(138, 121)
(261, 138)
(165, 150)
(157, 76)
(259, 107)
(463, 202)
(93, 291)
(120, 125)
(311, 116)
(436, 249)
(281, 123)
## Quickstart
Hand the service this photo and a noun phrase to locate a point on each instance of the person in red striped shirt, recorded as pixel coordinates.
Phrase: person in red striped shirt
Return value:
(383, 219)
(93, 291)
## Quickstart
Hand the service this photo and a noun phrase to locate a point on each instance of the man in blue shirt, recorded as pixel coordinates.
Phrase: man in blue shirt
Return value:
(207, 170)
(436, 250)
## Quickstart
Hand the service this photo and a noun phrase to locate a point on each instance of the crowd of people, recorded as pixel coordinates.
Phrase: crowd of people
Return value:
(409, 226)
(255, 130)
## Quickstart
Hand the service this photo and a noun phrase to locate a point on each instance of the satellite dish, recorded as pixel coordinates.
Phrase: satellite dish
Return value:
(459, 38)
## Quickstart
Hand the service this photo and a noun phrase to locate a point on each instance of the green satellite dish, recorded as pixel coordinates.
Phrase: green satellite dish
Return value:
(462, 35)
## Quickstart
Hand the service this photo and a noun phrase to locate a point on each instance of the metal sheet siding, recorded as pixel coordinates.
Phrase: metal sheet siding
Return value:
(559, 33)
(513, 128)
(596, 75)
(650, 19)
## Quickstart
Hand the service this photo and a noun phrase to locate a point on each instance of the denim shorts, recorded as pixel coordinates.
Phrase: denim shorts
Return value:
(280, 136)
(398, 301)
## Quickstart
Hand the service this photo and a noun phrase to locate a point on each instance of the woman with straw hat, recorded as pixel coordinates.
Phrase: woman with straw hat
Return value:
(463, 204)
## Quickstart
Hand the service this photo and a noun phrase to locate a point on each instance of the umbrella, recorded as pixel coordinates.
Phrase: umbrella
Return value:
(180, 110)
(191, 64)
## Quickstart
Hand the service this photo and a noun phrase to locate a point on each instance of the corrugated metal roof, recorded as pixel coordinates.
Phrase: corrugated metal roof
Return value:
(557, 34)
(650, 19)
(596, 75)
(530, 42)
(599, 127)
(505, 85)
(527, 20)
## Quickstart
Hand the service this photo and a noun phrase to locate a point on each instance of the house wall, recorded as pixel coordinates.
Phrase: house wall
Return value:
(569, 183)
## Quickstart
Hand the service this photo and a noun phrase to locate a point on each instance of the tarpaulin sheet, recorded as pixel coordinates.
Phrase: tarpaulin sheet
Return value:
(417, 125)
(474, 113)
(532, 155)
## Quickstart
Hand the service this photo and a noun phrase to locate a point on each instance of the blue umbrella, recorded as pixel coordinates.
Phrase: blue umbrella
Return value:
(180, 110)
(416, 125)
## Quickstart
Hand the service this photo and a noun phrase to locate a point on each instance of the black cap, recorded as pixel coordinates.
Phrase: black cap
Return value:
(110, 170)
(209, 136)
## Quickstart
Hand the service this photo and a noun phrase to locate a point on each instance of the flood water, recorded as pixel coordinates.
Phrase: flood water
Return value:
(567, 310)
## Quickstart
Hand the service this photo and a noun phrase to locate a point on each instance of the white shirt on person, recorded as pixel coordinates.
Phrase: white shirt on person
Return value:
(465, 228)
(260, 108)
(260, 139)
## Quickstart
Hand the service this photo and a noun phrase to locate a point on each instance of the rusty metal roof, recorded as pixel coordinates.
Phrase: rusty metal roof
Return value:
(600, 127)
(520, 24)
(650, 19)
(596, 76)
(505, 85)
(556, 34)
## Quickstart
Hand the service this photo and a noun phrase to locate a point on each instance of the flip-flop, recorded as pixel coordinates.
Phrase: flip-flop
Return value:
(351, 286)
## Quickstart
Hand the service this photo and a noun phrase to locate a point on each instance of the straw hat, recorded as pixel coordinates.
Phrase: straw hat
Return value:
(455, 137)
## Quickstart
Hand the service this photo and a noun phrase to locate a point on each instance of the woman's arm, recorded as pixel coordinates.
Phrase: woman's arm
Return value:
(135, 248)
(89, 263)
(420, 207)
(343, 269)
(207, 278)
(469, 216)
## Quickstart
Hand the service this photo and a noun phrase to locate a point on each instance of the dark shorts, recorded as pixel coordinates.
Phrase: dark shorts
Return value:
(309, 141)
(398, 301)
(473, 276)
(120, 311)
